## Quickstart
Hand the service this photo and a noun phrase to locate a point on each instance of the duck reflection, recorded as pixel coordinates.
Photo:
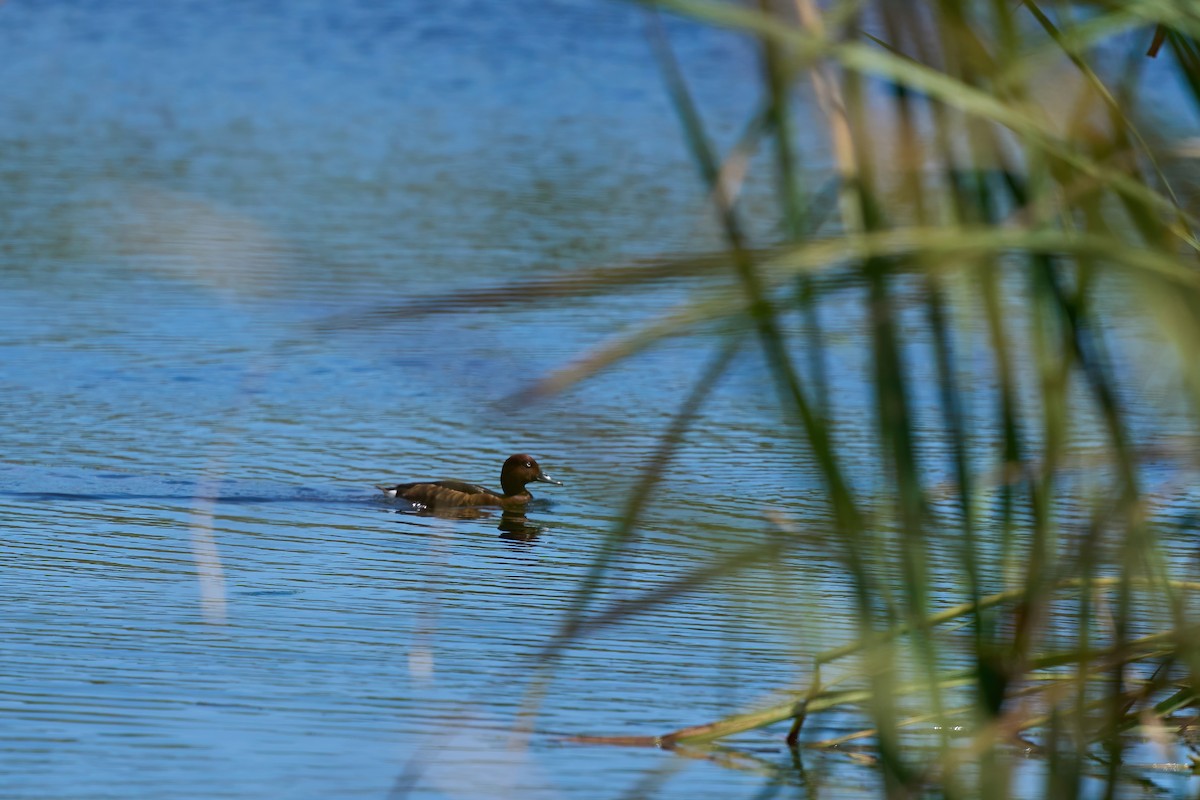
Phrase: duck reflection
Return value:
(515, 526)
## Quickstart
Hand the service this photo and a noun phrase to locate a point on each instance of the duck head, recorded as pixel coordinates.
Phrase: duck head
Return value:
(520, 470)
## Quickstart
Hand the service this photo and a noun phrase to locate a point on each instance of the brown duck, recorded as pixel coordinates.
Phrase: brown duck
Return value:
(518, 470)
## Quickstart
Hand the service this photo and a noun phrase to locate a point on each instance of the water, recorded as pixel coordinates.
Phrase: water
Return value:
(203, 594)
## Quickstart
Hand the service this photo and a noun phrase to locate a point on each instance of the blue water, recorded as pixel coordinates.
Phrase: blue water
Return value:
(203, 594)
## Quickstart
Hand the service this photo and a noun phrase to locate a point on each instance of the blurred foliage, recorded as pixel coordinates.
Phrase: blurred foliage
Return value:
(1008, 168)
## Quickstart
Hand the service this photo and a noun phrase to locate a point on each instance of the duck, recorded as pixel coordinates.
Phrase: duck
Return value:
(517, 471)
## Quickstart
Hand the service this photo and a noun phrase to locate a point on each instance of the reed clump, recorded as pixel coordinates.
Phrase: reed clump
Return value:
(1003, 190)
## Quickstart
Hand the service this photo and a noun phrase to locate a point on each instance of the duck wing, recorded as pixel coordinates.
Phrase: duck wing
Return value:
(455, 486)
(444, 494)
(462, 486)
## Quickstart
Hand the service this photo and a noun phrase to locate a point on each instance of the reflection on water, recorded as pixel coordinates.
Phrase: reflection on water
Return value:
(512, 524)
(517, 527)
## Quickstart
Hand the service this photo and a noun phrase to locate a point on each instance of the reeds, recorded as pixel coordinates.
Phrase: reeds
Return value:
(1001, 187)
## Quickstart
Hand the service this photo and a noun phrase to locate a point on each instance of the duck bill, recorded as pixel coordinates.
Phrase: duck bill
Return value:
(544, 478)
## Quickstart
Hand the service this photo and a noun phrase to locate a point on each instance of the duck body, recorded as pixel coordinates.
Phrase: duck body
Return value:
(518, 471)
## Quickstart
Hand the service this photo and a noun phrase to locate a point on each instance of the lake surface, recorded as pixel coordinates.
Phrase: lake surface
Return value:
(203, 595)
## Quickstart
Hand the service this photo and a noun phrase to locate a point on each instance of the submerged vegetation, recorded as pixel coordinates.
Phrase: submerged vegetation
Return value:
(1002, 193)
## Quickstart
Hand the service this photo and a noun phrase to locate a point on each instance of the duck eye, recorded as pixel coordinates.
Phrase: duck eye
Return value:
(529, 464)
